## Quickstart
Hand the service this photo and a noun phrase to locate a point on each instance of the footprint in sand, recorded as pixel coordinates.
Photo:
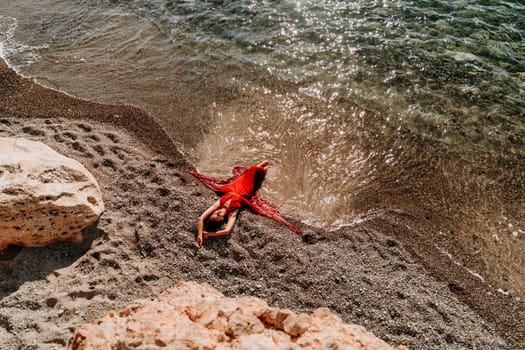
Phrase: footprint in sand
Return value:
(70, 135)
(51, 126)
(58, 138)
(108, 163)
(146, 278)
(118, 151)
(100, 150)
(110, 263)
(85, 127)
(94, 137)
(5, 122)
(112, 137)
(51, 302)
(33, 132)
(90, 294)
(179, 176)
(79, 148)
(163, 192)
(86, 266)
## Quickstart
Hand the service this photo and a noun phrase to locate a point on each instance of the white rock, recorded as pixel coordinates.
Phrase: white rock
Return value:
(196, 316)
(44, 196)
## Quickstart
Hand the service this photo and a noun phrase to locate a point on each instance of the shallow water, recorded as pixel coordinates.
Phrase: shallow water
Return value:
(363, 106)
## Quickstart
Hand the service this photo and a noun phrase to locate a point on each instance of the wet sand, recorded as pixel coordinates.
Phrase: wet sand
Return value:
(384, 273)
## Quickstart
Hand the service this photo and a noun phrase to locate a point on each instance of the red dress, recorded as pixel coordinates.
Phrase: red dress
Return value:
(241, 188)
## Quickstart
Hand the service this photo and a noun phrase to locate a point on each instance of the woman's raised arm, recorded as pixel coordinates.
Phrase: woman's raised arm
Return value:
(200, 222)
(232, 217)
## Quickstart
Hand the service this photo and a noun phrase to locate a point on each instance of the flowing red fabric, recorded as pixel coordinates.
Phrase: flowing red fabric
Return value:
(242, 187)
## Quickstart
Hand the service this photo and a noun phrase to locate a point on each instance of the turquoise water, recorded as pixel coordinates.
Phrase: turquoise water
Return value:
(414, 107)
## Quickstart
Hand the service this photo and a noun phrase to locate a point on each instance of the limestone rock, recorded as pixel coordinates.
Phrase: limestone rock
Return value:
(44, 196)
(196, 316)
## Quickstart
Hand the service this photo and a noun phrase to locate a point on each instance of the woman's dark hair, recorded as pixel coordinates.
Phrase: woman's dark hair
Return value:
(210, 225)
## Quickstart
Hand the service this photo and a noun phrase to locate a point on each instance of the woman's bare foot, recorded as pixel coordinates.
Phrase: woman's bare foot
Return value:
(264, 163)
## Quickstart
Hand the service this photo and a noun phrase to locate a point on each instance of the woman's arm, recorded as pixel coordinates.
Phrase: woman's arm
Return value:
(263, 164)
(232, 217)
(200, 222)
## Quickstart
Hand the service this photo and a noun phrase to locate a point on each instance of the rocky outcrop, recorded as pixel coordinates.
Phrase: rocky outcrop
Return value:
(44, 196)
(195, 316)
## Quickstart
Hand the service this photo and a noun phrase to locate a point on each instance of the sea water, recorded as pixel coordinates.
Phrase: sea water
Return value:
(414, 108)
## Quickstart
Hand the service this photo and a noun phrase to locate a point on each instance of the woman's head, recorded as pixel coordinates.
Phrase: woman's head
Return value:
(218, 215)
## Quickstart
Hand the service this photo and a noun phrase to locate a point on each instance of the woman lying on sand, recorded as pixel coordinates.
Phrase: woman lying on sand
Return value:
(236, 191)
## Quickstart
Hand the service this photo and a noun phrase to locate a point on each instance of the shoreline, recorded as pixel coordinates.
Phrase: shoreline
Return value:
(383, 273)
(46, 103)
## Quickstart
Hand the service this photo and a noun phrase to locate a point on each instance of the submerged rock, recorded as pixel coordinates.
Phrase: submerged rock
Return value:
(196, 316)
(44, 196)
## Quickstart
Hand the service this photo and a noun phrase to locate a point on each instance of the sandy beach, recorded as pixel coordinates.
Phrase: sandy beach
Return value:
(384, 273)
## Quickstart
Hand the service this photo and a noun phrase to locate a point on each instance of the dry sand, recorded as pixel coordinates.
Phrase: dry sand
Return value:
(381, 274)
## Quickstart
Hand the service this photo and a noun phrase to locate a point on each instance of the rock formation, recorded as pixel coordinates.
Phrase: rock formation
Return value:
(195, 316)
(44, 196)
